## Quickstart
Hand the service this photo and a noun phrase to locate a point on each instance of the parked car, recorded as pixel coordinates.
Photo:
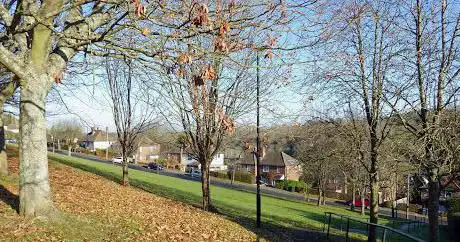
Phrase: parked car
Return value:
(195, 173)
(155, 166)
(358, 203)
(264, 181)
(10, 141)
(118, 160)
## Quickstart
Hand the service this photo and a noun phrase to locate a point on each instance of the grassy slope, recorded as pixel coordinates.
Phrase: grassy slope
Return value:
(235, 204)
(93, 208)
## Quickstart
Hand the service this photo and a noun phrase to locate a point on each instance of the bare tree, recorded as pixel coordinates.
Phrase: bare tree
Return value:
(38, 41)
(129, 106)
(356, 62)
(318, 154)
(66, 131)
(209, 82)
(429, 94)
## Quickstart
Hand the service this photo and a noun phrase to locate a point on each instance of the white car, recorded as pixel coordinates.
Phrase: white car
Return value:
(118, 160)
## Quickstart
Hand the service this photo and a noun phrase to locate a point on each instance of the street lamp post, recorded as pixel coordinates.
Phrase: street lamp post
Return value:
(408, 195)
(107, 140)
(258, 143)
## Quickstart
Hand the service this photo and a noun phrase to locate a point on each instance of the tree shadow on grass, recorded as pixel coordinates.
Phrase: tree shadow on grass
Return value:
(9, 198)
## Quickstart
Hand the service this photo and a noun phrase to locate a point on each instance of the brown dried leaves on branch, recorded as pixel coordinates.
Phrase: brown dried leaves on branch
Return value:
(209, 73)
(220, 45)
(201, 16)
(184, 58)
(223, 29)
(227, 123)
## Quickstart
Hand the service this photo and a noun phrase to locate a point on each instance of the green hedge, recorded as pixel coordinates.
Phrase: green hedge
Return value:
(453, 216)
(101, 153)
(290, 185)
(453, 223)
(402, 206)
(453, 205)
(219, 174)
(245, 177)
(239, 176)
(387, 204)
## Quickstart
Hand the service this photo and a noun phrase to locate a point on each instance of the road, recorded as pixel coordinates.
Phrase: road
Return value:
(241, 186)
(214, 181)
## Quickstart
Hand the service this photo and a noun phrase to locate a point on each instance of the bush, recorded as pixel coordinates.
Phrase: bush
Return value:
(290, 185)
(245, 177)
(279, 185)
(387, 204)
(402, 207)
(453, 205)
(337, 195)
(221, 175)
(453, 223)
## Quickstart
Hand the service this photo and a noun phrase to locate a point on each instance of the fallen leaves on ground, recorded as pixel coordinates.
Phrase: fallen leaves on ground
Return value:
(104, 210)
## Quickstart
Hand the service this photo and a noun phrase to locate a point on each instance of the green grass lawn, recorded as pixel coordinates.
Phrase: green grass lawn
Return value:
(237, 205)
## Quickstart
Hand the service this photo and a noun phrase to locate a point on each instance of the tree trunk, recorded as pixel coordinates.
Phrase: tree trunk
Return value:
(233, 174)
(181, 157)
(345, 184)
(3, 156)
(363, 204)
(34, 188)
(433, 207)
(205, 185)
(307, 193)
(353, 198)
(125, 179)
(59, 144)
(69, 152)
(374, 207)
(319, 196)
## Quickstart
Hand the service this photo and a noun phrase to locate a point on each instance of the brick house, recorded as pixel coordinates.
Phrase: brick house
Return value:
(277, 164)
(147, 150)
(185, 157)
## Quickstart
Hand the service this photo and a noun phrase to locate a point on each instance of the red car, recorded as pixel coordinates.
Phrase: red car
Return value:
(358, 203)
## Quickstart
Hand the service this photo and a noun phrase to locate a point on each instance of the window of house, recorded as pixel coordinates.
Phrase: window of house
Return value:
(265, 168)
(277, 169)
(248, 167)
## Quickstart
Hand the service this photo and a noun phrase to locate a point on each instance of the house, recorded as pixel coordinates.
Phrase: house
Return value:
(186, 158)
(13, 128)
(450, 187)
(98, 139)
(147, 150)
(275, 165)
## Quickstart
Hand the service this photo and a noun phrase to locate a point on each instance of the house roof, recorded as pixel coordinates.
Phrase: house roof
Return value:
(12, 127)
(271, 158)
(145, 141)
(99, 135)
(289, 160)
(176, 150)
